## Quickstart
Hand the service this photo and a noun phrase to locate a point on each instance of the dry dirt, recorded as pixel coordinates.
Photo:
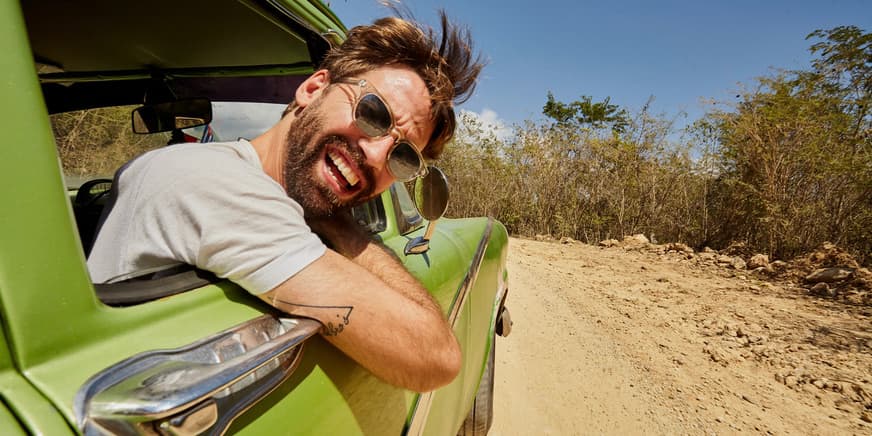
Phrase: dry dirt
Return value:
(618, 341)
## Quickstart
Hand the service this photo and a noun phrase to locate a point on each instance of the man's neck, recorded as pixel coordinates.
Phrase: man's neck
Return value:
(270, 148)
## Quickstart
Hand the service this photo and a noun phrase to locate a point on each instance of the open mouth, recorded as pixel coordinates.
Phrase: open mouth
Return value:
(341, 172)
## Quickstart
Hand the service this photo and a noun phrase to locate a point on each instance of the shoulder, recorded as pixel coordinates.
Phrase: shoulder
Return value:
(196, 157)
(230, 166)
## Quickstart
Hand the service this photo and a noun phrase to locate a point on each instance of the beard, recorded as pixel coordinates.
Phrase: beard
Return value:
(304, 153)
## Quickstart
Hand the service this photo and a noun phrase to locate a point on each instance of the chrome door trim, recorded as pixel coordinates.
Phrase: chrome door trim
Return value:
(424, 400)
(196, 388)
(471, 274)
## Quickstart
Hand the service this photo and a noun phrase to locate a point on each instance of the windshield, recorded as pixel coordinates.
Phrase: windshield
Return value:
(94, 143)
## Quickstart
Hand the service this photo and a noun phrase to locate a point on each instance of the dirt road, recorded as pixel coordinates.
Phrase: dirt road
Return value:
(618, 341)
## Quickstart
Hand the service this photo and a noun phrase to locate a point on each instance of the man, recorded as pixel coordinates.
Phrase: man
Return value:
(248, 211)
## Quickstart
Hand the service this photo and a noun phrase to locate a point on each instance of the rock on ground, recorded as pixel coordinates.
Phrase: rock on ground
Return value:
(829, 275)
(610, 341)
(758, 261)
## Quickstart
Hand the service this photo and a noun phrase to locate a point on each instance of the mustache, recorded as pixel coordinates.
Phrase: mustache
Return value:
(305, 148)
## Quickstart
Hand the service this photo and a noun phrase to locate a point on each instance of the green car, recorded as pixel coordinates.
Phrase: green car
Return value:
(182, 352)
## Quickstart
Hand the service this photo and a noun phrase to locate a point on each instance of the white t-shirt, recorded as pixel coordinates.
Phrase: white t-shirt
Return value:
(208, 205)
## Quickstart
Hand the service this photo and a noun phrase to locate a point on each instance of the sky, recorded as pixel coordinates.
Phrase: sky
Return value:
(679, 52)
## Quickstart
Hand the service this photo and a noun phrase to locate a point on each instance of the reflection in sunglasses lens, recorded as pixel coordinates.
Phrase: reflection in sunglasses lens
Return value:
(404, 161)
(372, 115)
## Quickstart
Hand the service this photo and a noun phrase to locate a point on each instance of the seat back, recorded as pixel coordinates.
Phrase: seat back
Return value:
(88, 206)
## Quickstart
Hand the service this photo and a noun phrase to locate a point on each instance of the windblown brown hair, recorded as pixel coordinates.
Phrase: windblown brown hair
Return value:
(445, 62)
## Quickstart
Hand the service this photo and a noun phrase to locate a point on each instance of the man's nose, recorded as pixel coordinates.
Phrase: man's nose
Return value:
(376, 151)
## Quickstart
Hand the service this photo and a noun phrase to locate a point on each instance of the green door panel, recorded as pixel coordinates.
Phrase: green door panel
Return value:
(443, 269)
(327, 391)
(30, 412)
(34, 203)
(9, 424)
(42, 278)
(328, 394)
(114, 334)
(23, 410)
(475, 331)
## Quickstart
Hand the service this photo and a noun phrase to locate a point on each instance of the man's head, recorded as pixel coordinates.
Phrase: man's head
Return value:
(444, 62)
(334, 155)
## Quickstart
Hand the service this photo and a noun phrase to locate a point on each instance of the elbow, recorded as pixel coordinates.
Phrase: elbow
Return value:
(452, 361)
(443, 369)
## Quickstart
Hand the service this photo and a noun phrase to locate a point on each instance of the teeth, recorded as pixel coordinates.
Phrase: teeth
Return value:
(343, 168)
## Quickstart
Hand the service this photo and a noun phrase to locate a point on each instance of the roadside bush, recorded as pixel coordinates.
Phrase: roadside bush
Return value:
(786, 168)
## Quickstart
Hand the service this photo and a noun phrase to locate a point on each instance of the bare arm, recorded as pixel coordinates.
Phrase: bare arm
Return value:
(372, 310)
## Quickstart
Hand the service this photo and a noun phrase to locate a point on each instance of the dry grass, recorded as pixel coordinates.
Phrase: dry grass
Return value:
(94, 143)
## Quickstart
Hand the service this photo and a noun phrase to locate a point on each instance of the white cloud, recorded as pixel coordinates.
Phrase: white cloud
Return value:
(491, 122)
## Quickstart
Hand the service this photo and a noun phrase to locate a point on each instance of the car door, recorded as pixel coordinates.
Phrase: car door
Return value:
(464, 270)
(60, 336)
(23, 409)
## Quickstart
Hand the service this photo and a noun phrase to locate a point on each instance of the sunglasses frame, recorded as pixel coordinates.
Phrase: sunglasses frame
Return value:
(399, 139)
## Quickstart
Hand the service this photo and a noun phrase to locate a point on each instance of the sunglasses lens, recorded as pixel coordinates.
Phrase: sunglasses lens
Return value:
(404, 161)
(372, 116)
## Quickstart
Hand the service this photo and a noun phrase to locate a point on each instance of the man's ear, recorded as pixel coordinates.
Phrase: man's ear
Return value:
(312, 87)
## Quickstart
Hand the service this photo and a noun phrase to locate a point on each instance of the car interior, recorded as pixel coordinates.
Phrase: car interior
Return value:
(127, 58)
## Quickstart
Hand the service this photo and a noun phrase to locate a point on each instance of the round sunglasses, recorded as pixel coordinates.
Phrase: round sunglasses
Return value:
(374, 118)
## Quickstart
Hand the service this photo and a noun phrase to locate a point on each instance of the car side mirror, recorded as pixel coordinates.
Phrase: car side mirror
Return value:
(172, 115)
(431, 198)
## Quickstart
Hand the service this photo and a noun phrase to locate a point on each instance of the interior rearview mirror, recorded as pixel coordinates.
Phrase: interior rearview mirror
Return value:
(431, 198)
(171, 115)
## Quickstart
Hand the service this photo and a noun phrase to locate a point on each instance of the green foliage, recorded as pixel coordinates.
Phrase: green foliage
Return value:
(562, 179)
(94, 143)
(585, 112)
(787, 167)
(845, 59)
(795, 154)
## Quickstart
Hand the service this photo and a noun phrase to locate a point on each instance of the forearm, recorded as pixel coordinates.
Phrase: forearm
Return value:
(399, 341)
(372, 309)
(356, 245)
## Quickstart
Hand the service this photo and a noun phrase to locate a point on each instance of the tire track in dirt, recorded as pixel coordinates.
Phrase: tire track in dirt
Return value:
(608, 341)
(561, 374)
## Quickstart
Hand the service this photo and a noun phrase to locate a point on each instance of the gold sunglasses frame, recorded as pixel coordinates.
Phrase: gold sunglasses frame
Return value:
(399, 139)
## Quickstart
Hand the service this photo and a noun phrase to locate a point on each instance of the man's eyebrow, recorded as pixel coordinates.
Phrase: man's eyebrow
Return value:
(414, 123)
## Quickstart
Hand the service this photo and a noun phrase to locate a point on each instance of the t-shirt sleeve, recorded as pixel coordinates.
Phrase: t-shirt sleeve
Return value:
(226, 216)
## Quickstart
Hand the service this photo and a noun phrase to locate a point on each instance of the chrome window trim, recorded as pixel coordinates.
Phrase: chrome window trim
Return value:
(404, 224)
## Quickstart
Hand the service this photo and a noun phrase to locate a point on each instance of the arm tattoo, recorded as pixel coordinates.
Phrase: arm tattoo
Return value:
(343, 313)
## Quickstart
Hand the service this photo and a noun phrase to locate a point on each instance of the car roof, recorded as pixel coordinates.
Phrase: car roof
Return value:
(93, 53)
